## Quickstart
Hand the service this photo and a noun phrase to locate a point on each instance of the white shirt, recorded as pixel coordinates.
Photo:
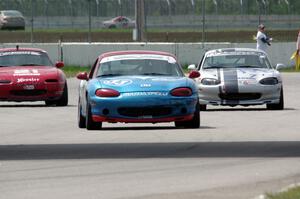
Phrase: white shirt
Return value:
(260, 45)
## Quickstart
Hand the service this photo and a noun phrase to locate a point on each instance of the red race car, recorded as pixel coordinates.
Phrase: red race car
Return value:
(27, 74)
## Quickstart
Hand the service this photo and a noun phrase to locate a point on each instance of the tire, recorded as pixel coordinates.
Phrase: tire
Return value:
(80, 117)
(179, 124)
(280, 105)
(50, 102)
(193, 123)
(112, 27)
(89, 123)
(203, 107)
(63, 100)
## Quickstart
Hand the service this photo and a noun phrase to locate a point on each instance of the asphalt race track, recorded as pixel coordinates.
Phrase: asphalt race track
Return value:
(238, 153)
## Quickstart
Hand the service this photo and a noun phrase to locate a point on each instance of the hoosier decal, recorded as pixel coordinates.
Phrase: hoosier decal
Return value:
(21, 80)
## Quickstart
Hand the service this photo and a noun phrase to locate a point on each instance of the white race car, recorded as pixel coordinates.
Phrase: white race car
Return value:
(239, 76)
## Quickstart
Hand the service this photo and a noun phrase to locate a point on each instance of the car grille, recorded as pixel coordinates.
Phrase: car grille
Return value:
(145, 111)
(28, 92)
(240, 96)
(12, 20)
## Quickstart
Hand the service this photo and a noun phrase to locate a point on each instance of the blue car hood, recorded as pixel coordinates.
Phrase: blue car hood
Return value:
(143, 83)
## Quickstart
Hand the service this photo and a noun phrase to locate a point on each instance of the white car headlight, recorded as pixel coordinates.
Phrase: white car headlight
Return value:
(269, 81)
(210, 81)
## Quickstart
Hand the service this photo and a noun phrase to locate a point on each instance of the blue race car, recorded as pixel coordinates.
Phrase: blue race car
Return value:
(137, 87)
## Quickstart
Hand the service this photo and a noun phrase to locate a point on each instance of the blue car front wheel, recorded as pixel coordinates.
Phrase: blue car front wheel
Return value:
(81, 118)
(193, 123)
(89, 123)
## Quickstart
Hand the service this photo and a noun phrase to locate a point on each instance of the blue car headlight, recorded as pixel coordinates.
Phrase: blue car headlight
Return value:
(269, 81)
(182, 92)
(106, 92)
(210, 81)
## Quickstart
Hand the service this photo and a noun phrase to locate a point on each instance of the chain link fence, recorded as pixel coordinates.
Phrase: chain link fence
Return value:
(165, 20)
(219, 14)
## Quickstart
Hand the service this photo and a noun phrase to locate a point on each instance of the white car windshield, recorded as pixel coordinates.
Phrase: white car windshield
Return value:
(139, 67)
(12, 13)
(24, 58)
(236, 61)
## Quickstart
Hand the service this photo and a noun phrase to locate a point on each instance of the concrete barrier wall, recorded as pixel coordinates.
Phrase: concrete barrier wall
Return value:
(277, 52)
(186, 52)
(84, 54)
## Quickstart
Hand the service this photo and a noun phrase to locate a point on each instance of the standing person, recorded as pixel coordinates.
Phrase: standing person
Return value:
(296, 54)
(262, 40)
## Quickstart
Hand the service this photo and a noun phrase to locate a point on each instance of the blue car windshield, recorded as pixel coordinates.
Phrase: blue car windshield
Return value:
(139, 67)
(236, 61)
(24, 58)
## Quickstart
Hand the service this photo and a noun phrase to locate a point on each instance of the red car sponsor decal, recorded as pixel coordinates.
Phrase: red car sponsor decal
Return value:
(25, 80)
(26, 72)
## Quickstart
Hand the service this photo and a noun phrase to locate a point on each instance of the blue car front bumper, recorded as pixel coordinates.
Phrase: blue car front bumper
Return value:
(143, 107)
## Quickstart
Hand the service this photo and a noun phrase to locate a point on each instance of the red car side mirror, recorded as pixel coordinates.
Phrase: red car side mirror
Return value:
(82, 76)
(59, 64)
(194, 74)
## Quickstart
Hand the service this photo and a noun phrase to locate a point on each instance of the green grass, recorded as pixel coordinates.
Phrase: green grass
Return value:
(72, 30)
(153, 34)
(72, 71)
(293, 193)
(152, 30)
(290, 69)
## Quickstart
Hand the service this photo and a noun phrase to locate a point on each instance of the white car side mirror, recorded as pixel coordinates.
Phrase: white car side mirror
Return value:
(280, 66)
(192, 67)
